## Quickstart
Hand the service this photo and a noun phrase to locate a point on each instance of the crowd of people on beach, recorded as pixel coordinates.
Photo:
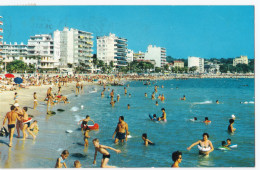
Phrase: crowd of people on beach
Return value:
(19, 118)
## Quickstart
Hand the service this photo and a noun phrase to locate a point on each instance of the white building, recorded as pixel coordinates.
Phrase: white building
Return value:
(130, 55)
(158, 54)
(72, 46)
(198, 62)
(112, 48)
(139, 55)
(10, 52)
(41, 47)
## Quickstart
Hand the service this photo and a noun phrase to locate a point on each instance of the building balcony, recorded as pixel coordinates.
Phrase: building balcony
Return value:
(47, 67)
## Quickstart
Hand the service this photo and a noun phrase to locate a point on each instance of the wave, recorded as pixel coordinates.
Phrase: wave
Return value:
(74, 109)
(77, 118)
(205, 102)
(246, 102)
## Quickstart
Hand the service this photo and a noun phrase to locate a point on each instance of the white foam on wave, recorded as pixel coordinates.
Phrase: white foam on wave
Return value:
(251, 102)
(205, 102)
(129, 136)
(74, 109)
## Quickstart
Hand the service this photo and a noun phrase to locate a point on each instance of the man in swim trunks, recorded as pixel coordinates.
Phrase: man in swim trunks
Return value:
(77, 88)
(11, 117)
(102, 150)
(121, 130)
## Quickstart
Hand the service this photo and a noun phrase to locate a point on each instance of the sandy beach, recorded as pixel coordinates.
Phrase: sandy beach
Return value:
(25, 97)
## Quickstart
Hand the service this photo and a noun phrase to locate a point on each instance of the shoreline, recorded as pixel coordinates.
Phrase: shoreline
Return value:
(26, 95)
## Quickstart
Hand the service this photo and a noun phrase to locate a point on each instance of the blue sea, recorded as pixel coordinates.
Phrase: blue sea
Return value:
(177, 133)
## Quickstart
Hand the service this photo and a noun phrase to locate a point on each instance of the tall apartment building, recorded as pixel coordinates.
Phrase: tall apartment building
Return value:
(158, 54)
(41, 47)
(240, 60)
(112, 48)
(198, 62)
(139, 56)
(73, 46)
(11, 52)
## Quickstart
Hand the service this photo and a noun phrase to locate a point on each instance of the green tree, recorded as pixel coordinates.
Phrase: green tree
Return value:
(16, 66)
(169, 59)
(193, 69)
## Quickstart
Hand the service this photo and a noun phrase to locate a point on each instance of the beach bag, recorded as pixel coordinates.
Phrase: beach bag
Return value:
(4, 132)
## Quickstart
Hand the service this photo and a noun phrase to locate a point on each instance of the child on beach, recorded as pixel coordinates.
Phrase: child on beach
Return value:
(34, 127)
(146, 141)
(77, 164)
(102, 150)
(61, 160)
(177, 158)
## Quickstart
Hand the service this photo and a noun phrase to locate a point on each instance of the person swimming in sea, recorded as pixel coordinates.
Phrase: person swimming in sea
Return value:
(217, 102)
(163, 118)
(184, 98)
(128, 106)
(146, 141)
(156, 103)
(205, 145)
(230, 126)
(207, 120)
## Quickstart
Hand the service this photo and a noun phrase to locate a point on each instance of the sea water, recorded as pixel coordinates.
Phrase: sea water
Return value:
(177, 133)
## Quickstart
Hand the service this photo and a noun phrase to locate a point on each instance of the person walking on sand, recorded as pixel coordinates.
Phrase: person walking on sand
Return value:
(11, 117)
(106, 156)
(121, 130)
(49, 96)
(77, 88)
(35, 103)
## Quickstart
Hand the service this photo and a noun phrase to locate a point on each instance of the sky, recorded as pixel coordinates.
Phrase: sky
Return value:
(201, 31)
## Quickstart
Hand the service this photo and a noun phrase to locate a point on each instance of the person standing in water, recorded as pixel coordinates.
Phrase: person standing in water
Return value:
(177, 158)
(61, 160)
(121, 130)
(77, 88)
(205, 144)
(230, 126)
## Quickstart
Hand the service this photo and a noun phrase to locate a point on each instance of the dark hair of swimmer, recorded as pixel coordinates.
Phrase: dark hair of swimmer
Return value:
(229, 139)
(223, 143)
(156, 102)
(122, 117)
(175, 155)
(206, 118)
(154, 115)
(87, 116)
(12, 107)
(25, 108)
(231, 121)
(195, 118)
(144, 135)
(163, 109)
(128, 104)
(206, 134)
(65, 152)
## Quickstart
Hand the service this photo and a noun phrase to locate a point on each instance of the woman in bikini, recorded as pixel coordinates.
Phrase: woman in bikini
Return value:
(205, 145)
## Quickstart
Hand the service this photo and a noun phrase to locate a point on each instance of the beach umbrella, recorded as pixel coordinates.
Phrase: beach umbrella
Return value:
(0, 78)
(18, 80)
(9, 75)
